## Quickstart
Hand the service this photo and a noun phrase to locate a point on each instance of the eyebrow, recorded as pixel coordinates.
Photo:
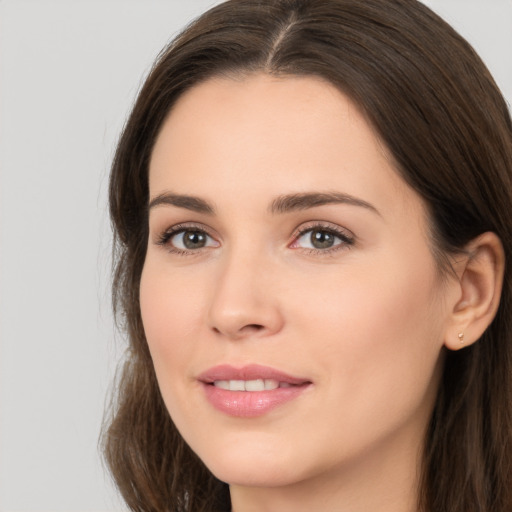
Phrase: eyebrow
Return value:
(195, 204)
(303, 201)
(280, 205)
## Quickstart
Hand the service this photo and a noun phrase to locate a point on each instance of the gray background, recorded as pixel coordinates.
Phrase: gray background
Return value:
(69, 71)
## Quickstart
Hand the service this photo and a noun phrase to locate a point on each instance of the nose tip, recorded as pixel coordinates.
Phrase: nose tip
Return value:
(244, 305)
(245, 321)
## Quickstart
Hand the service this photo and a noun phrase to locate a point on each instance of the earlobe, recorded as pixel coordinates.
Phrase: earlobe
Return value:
(480, 280)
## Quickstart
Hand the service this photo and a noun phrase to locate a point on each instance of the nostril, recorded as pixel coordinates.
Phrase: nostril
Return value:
(245, 329)
(253, 327)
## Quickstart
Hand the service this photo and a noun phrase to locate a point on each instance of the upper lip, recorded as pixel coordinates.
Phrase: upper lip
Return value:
(248, 372)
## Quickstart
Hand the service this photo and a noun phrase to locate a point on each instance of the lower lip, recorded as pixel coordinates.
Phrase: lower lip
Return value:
(249, 404)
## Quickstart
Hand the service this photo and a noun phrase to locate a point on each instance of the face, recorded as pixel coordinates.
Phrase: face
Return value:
(290, 299)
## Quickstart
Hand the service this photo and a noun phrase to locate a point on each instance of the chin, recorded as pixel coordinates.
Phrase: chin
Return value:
(251, 466)
(248, 475)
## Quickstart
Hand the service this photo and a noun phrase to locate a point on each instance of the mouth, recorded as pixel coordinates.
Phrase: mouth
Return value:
(250, 391)
(251, 385)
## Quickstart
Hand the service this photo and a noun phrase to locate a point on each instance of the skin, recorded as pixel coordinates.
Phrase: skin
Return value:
(364, 321)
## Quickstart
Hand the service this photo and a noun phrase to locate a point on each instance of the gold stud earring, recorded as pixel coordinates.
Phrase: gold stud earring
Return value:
(461, 338)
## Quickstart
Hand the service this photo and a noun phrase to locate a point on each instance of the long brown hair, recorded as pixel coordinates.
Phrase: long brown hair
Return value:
(442, 117)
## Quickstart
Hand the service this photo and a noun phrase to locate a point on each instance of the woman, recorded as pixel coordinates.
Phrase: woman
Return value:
(311, 208)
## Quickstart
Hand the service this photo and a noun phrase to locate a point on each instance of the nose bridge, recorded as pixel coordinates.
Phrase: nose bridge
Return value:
(243, 301)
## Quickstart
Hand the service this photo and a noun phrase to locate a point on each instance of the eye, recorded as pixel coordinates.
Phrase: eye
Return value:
(181, 239)
(322, 239)
(190, 240)
(318, 239)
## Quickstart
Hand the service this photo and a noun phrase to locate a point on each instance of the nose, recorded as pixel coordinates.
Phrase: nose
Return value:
(245, 302)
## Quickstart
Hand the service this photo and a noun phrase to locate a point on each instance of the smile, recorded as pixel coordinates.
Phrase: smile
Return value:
(251, 385)
(250, 391)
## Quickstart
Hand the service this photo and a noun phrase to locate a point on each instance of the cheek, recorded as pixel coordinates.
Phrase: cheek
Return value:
(170, 313)
(377, 336)
(371, 304)
(171, 317)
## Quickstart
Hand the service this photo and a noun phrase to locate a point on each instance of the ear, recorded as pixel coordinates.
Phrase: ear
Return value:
(480, 279)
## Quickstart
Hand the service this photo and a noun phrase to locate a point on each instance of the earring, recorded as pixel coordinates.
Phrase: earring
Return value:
(461, 338)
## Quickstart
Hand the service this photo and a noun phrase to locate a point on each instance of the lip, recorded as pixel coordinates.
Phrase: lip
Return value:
(249, 404)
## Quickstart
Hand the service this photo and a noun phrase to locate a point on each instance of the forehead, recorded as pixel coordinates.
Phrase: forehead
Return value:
(266, 135)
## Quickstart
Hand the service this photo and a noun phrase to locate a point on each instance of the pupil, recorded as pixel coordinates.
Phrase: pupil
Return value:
(322, 239)
(194, 239)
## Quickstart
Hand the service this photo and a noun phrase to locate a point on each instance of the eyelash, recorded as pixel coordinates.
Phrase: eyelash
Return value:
(165, 238)
(347, 239)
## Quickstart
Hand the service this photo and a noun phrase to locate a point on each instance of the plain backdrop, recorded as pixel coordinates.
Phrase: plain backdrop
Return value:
(69, 71)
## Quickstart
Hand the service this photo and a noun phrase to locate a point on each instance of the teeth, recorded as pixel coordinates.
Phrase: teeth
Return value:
(254, 385)
(236, 385)
(222, 384)
(250, 385)
(271, 384)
